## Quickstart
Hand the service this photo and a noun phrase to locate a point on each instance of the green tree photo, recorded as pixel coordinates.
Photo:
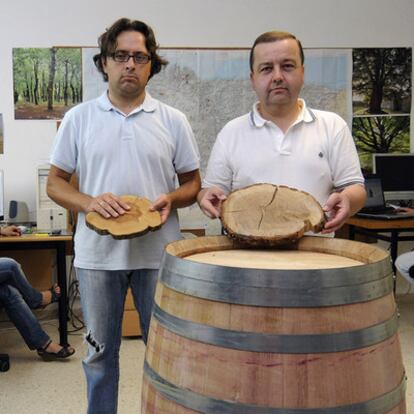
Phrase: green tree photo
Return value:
(46, 82)
(381, 81)
(380, 134)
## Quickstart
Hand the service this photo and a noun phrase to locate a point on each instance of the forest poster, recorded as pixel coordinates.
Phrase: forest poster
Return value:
(381, 100)
(46, 82)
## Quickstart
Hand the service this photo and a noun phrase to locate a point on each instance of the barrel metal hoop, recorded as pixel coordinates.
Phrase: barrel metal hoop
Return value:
(278, 343)
(230, 290)
(290, 278)
(200, 403)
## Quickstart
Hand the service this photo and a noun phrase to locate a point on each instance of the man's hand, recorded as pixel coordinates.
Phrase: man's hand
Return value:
(209, 200)
(338, 209)
(162, 204)
(343, 204)
(107, 205)
(10, 231)
(405, 209)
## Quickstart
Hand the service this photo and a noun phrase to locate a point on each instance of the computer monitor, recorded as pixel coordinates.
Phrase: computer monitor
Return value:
(397, 175)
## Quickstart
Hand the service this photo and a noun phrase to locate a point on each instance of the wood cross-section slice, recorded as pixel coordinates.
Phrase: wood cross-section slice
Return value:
(267, 214)
(137, 221)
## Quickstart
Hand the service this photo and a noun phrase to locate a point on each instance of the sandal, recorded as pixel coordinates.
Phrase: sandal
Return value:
(53, 298)
(65, 352)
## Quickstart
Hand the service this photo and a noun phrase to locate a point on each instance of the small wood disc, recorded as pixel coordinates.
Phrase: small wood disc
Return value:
(137, 221)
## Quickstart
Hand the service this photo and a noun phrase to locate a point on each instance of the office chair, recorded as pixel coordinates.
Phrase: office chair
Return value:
(4, 362)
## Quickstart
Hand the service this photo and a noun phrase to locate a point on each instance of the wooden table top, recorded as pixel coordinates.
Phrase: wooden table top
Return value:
(406, 223)
(35, 237)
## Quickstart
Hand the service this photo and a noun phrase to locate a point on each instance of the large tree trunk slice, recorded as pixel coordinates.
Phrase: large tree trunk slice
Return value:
(135, 222)
(266, 214)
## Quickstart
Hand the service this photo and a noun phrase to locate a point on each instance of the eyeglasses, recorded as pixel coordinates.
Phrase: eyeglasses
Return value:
(138, 57)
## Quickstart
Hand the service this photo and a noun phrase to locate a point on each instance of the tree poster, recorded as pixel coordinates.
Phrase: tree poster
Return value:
(46, 82)
(381, 99)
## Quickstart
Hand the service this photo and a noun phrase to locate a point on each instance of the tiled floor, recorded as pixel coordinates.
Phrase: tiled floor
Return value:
(32, 386)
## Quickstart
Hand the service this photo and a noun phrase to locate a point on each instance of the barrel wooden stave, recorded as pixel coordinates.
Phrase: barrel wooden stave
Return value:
(275, 320)
(280, 380)
(154, 402)
(275, 380)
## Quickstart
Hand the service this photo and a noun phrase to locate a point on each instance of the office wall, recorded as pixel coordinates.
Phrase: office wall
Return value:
(215, 23)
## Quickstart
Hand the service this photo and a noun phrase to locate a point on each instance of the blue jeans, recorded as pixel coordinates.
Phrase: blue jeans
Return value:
(12, 274)
(102, 297)
(22, 317)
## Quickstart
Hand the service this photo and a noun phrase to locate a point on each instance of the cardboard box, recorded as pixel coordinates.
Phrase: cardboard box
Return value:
(39, 265)
(130, 323)
(129, 301)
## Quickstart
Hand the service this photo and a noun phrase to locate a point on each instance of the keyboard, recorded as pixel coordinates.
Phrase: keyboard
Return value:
(384, 210)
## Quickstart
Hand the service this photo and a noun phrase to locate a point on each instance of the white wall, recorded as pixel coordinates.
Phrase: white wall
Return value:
(214, 23)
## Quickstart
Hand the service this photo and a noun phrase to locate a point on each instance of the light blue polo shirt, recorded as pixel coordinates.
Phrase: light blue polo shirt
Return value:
(139, 154)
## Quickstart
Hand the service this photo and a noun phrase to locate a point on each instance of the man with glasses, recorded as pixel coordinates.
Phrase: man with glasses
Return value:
(124, 142)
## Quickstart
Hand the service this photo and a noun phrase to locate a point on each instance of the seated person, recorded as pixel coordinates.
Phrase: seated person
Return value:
(12, 274)
(405, 262)
(17, 296)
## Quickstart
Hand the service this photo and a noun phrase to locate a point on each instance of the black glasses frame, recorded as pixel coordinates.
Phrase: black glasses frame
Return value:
(123, 57)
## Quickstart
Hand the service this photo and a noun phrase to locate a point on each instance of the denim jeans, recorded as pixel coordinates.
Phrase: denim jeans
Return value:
(22, 317)
(102, 297)
(12, 274)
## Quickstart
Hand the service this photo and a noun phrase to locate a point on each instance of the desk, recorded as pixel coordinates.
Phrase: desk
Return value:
(375, 228)
(58, 244)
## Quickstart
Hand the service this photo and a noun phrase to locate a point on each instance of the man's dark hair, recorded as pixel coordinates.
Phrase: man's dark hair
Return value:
(275, 36)
(107, 43)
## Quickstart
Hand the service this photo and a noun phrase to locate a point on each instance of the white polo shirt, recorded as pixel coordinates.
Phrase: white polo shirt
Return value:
(316, 154)
(139, 154)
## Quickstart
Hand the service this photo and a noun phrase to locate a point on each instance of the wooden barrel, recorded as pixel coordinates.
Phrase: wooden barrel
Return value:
(309, 330)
